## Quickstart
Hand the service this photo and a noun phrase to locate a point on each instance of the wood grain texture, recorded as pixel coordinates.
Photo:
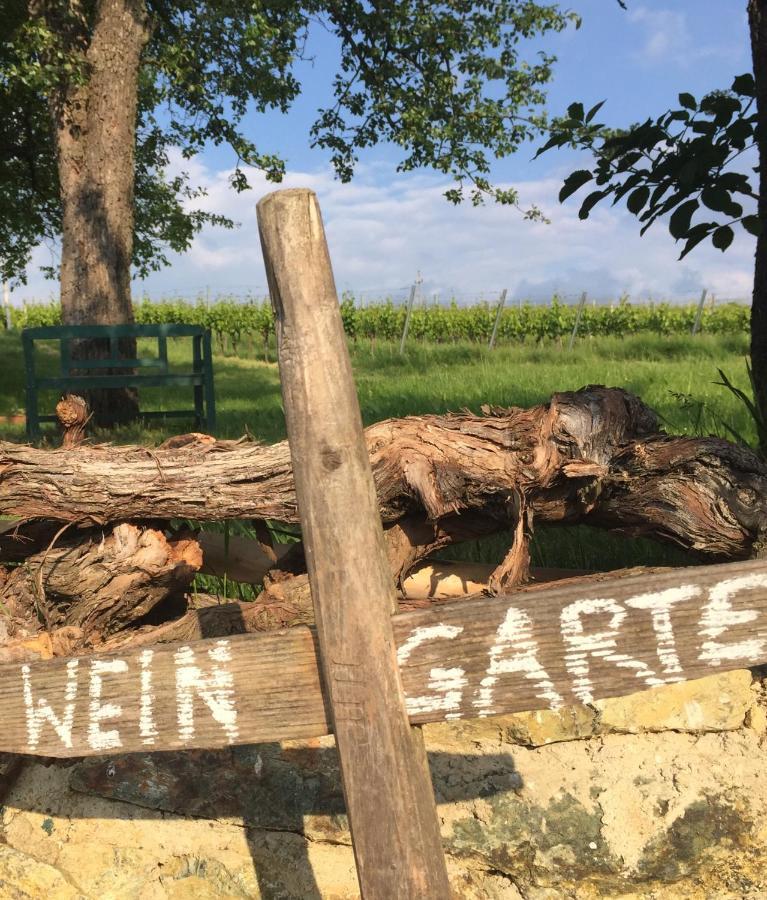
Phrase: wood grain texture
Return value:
(594, 456)
(73, 414)
(396, 837)
(535, 649)
(102, 580)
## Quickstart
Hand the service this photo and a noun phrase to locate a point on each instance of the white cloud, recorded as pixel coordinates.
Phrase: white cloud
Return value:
(381, 233)
(666, 33)
(668, 39)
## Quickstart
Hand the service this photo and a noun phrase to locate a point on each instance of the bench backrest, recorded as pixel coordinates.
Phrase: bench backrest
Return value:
(112, 334)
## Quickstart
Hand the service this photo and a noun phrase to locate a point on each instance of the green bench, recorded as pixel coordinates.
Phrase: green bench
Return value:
(152, 371)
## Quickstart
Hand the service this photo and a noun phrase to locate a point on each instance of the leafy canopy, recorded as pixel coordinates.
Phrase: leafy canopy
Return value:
(687, 164)
(446, 82)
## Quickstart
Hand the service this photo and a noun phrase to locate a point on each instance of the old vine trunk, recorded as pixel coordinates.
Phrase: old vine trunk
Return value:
(594, 455)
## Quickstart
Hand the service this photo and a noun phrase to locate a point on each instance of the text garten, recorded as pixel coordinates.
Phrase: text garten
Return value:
(477, 657)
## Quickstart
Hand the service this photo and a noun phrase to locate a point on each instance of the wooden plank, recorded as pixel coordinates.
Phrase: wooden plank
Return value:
(77, 382)
(396, 838)
(77, 332)
(461, 659)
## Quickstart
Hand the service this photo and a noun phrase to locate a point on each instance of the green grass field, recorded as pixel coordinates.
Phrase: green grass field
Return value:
(673, 375)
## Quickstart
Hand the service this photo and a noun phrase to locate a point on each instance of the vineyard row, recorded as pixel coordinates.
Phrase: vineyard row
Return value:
(384, 320)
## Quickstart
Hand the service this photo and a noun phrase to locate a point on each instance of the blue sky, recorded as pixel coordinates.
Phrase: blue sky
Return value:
(384, 227)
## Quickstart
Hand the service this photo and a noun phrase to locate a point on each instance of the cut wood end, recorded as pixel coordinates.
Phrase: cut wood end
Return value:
(185, 551)
(73, 413)
(284, 194)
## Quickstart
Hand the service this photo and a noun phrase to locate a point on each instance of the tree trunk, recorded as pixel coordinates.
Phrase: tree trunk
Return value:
(100, 582)
(593, 456)
(757, 16)
(95, 130)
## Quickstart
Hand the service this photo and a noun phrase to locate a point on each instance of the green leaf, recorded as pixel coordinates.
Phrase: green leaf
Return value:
(752, 224)
(628, 185)
(679, 224)
(590, 202)
(574, 181)
(575, 111)
(737, 392)
(695, 236)
(688, 172)
(719, 199)
(688, 101)
(594, 110)
(745, 85)
(740, 131)
(556, 140)
(637, 199)
(628, 160)
(722, 237)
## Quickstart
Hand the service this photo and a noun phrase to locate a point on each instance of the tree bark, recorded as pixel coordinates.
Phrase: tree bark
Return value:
(94, 119)
(757, 17)
(593, 456)
(100, 583)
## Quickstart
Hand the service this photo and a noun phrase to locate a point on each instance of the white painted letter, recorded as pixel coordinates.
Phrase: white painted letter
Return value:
(449, 683)
(147, 728)
(515, 634)
(98, 739)
(659, 603)
(216, 689)
(718, 615)
(600, 645)
(38, 712)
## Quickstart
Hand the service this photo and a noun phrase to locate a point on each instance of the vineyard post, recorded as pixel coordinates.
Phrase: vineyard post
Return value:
(411, 300)
(385, 774)
(699, 313)
(501, 304)
(577, 321)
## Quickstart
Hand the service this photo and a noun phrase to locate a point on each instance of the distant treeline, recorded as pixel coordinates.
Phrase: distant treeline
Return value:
(233, 321)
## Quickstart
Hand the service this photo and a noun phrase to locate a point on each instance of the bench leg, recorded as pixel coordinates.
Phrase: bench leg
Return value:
(33, 422)
(199, 410)
(210, 399)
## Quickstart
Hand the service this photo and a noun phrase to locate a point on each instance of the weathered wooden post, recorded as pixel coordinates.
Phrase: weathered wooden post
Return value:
(498, 314)
(699, 313)
(389, 798)
(409, 313)
(576, 326)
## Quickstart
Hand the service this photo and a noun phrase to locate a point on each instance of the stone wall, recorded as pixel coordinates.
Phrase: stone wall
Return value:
(662, 794)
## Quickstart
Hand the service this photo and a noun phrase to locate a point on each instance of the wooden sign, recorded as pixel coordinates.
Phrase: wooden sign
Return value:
(467, 658)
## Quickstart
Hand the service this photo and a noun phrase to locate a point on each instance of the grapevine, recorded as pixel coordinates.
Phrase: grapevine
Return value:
(233, 321)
